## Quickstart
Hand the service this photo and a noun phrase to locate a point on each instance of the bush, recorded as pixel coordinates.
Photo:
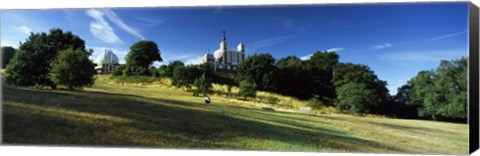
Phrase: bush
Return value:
(272, 100)
(126, 72)
(315, 103)
(118, 70)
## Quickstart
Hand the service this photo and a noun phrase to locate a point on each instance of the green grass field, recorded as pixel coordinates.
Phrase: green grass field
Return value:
(156, 115)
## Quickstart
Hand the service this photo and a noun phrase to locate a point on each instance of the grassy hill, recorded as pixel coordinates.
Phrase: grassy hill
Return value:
(157, 115)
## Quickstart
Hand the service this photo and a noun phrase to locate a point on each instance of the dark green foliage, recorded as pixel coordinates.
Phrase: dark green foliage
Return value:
(273, 100)
(7, 54)
(259, 68)
(171, 66)
(126, 72)
(441, 93)
(399, 104)
(294, 78)
(315, 103)
(119, 70)
(72, 68)
(247, 89)
(224, 78)
(145, 72)
(203, 84)
(358, 89)
(321, 65)
(153, 71)
(185, 76)
(31, 65)
(142, 54)
(162, 70)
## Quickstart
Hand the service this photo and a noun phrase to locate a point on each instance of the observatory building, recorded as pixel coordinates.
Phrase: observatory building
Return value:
(224, 59)
(106, 62)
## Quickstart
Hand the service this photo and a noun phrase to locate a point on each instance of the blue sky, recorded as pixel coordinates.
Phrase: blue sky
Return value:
(394, 40)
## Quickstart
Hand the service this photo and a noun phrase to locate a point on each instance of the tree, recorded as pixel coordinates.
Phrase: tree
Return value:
(119, 70)
(358, 89)
(7, 55)
(203, 84)
(294, 78)
(259, 68)
(247, 89)
(321, 65)
(185, 76)
(171, 66)
(32, 63)
(142, 54)
(441, 93)
(72, 68)
(162, 70)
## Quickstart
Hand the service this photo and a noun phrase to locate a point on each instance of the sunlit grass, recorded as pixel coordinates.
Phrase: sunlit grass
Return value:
(156, 114)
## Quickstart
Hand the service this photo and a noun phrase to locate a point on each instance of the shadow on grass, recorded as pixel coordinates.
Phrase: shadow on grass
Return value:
(155, 122)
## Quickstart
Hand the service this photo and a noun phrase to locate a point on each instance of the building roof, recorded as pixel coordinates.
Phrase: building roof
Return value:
(106, 57)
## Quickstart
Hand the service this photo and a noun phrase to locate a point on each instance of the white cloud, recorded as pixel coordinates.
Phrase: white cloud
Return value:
(100, 28)
(119, 22)
(335, 49)
(382, 46)
(23, 29)
(424, 56)
(269, 42)
(307, 57)
(445, 36)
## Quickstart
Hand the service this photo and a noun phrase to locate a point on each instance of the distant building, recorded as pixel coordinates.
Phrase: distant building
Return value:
(224, 59)
(106, 62)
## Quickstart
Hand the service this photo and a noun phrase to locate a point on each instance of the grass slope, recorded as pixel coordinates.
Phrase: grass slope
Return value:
(160, 116)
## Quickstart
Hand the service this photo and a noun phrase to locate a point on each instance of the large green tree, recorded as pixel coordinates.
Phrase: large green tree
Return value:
(294, 78)
(441, 93)
(171, 66)
(7, 54)
(259, 68)
(32, 63)
(142, 54)
(321, 65)
(73, 69)
(358, 89)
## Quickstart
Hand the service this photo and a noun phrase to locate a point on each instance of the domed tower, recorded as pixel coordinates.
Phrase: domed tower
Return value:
(208, 59)
(106, 62)
(241, 47)
(228, 60)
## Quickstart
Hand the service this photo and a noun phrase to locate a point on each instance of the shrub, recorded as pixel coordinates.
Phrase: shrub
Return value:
(273, 100)
(315, 103)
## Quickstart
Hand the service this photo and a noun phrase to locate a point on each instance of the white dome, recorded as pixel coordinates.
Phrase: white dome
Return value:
(241, 47)
(106, 57)
(218, 53)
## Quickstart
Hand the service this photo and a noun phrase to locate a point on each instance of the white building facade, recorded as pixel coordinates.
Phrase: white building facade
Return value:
(106, 62)
(224, 59)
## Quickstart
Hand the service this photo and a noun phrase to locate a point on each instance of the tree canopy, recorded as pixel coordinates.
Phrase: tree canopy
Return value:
(358, 89)
(32, 63)
(441, 93)
(72, 68)
(142, 54)
(7, 55)
(260, 69)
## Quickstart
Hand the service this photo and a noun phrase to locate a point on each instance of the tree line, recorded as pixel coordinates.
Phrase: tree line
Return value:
(60, 58)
